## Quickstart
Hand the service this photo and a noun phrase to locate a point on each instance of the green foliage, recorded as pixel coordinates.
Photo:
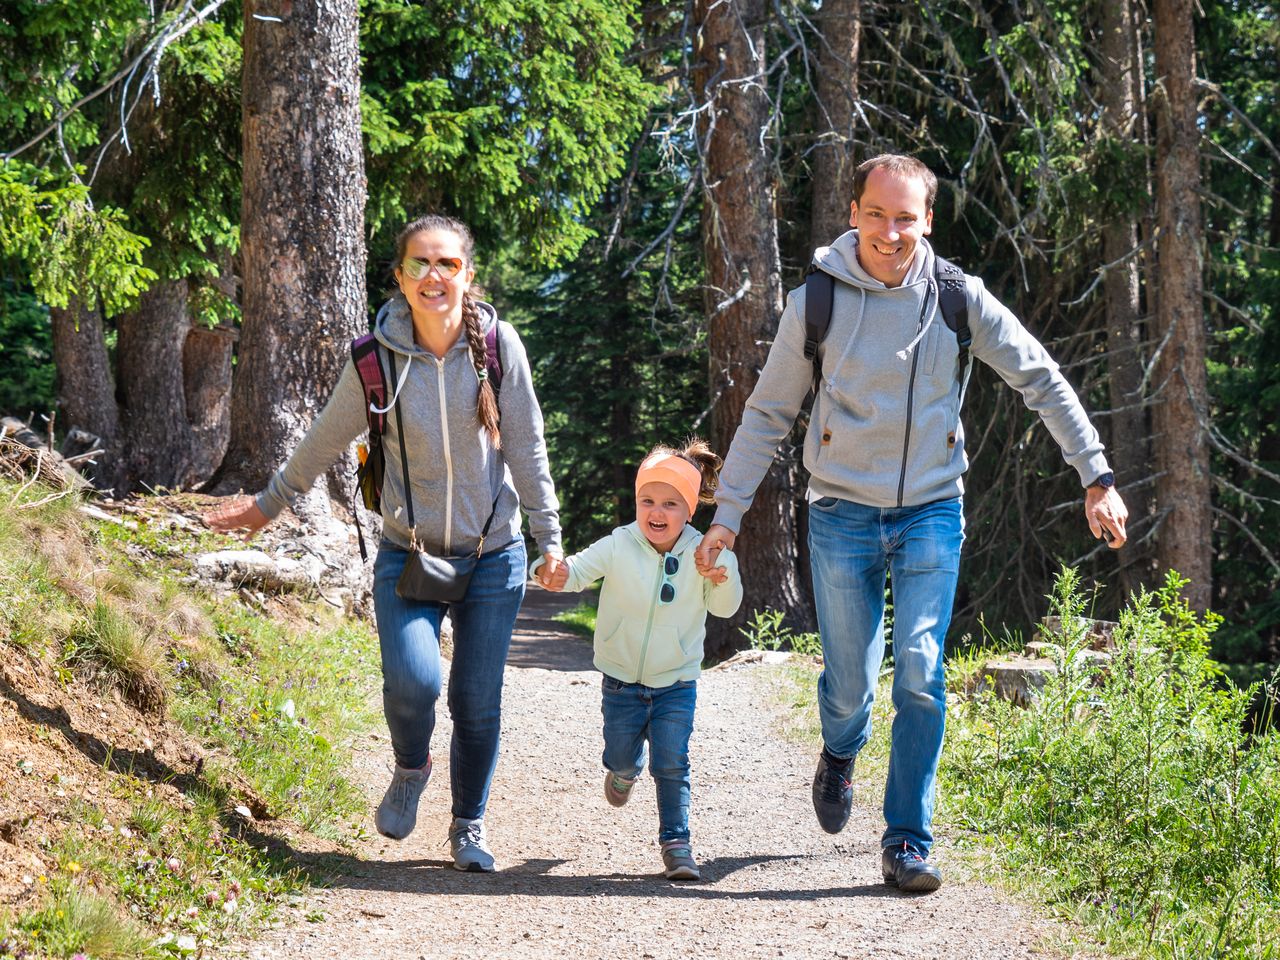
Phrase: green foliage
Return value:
(1138, 792)
(766, 631)
(26, 353)
(581, 618)
(514, 115)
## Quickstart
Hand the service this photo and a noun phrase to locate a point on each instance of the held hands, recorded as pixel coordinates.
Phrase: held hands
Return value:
(1106, 514)
(718, 537)
(554, 572)
(237, 513)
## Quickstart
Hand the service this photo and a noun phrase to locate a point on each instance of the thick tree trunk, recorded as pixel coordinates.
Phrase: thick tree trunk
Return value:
(744, 291)
(206, 380)
(1181, 411)
(157, 434)
(1130, 434)
(840, 25)
(302, 227)
(86, 396)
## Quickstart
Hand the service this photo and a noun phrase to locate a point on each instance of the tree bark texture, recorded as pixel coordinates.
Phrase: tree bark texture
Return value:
(833, 159)
(86, 395)
(744, 290)
(157, 434)
(1181, 411)
(302, 227)
(1130, 434)
(206, 381)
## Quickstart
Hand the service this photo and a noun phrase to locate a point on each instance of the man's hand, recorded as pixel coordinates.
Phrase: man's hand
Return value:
(717, 538)
(554, 572)
(238, 513)
(1106, 514)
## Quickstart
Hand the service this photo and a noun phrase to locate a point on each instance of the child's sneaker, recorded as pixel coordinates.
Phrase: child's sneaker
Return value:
(678, 862)
(470, 846)
(617, 790)
(398, 812)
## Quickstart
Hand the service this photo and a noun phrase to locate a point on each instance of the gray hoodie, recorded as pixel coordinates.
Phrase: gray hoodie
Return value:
(454, 471)
(885, 429)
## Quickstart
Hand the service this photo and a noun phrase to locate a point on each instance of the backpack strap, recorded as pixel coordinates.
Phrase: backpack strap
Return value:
(819, 292)
(954, 303)
(364, 354)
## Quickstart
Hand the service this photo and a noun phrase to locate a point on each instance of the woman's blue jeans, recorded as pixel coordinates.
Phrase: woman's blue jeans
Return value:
(409, 634)
(852, 547)
(662, 716)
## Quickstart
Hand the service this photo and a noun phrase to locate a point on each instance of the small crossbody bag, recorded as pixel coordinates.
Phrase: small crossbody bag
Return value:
(427, 577)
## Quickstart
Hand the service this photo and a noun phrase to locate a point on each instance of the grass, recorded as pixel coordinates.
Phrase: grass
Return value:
(275, 700)
(582, 618)
(1136, 797)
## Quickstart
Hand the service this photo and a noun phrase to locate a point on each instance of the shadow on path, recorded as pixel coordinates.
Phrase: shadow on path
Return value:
(539, 641)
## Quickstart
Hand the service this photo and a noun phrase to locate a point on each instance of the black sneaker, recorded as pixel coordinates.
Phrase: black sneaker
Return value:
(833, 792)
(905, 867)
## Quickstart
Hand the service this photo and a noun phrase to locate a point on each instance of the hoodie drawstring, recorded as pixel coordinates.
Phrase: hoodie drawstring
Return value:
(926, 318)
(399, 383)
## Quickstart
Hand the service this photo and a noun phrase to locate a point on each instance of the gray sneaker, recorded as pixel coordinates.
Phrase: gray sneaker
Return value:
(678, 862)
(470, 846)
(398, 812)
(617, 790)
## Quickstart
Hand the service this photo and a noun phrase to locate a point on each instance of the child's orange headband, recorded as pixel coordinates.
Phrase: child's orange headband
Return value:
(677, 471)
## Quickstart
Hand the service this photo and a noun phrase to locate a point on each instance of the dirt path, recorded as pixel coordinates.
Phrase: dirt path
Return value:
(579, 879)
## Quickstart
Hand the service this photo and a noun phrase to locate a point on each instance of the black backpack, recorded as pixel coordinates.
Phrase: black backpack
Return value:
(819, 288)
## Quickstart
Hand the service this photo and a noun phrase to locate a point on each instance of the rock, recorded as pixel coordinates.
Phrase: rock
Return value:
(255, 568)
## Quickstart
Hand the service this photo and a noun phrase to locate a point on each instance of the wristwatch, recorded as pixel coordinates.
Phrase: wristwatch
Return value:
(1105, 481)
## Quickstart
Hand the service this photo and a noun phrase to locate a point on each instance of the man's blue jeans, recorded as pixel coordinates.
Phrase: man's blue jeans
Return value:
(663, 716)
(409, 634)
(851, 547)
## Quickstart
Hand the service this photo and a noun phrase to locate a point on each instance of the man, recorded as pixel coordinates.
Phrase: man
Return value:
(885, 451)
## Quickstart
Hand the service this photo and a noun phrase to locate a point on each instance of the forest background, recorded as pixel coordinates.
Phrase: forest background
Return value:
(198, 200)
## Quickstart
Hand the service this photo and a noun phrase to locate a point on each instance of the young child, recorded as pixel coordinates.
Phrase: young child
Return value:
(649, 631)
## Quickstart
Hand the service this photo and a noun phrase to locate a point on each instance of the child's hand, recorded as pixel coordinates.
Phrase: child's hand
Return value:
(717, 538)
(554, 573)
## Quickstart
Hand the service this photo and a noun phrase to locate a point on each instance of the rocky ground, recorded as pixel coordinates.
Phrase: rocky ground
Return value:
(579, 878)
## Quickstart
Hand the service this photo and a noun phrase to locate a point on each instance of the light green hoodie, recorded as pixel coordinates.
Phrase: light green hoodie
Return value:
(639, 639)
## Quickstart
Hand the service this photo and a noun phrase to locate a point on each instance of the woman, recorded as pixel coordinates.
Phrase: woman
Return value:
(472, 457)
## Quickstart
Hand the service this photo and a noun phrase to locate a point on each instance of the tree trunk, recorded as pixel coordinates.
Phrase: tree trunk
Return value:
(86, 396)
(840, 26)
(302, 227)
(1130, 434)
(206, 380)
(1181, 412)
(744, 291)
(157, 434)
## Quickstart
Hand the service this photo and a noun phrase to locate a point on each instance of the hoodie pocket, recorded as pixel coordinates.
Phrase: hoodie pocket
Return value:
(665, 653)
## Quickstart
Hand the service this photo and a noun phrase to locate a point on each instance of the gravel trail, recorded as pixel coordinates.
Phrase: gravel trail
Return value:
(580, 879)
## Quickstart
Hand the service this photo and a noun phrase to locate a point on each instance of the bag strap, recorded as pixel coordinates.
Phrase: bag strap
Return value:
(404, 466)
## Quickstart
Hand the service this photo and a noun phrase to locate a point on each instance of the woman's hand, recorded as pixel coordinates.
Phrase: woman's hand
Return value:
(238, 513)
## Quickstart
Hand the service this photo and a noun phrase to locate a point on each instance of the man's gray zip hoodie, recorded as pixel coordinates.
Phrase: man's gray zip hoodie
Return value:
(454, 471)
(885, 429)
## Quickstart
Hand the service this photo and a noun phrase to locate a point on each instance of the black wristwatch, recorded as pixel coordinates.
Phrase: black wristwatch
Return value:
(1105, 481)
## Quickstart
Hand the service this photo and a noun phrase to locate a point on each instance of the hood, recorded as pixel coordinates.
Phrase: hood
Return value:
(841, 261)
(689, 533)
(394, 326)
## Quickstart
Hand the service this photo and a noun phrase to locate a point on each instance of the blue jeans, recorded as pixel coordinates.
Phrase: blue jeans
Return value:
(852, 546)
(409, 635)
(662, 716)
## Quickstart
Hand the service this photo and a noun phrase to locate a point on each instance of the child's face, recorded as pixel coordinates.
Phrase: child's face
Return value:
(661, 513)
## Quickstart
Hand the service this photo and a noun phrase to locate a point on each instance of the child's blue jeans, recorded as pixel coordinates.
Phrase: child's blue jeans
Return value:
(662, 717)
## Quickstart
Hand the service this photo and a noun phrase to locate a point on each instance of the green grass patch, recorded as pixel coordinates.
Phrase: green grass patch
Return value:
(582, 618)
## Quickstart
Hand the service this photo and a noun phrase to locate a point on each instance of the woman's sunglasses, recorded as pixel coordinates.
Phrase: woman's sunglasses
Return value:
(446, 267)
(670, 567)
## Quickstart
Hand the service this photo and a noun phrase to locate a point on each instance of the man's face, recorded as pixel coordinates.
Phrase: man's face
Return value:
(891, 219)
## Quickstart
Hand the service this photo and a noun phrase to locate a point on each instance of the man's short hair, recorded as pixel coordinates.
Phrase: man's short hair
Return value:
(899, 166)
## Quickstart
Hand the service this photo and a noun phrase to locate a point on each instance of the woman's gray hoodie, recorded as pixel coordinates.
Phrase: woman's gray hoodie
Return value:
(454, 471)
(885, 429)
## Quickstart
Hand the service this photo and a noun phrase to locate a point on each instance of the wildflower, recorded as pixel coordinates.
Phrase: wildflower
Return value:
(234, 887)
(174, 864)
(73, 867)
(210, 899)
(193, 911)
(229, 907)
(126, 832)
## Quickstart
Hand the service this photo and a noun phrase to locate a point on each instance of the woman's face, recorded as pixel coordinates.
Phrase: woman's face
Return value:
(437, 261)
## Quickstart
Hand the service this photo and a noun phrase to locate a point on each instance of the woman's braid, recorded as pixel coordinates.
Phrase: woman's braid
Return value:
(486, 398)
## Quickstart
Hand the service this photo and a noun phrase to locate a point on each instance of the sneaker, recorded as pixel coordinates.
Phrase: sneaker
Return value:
(678, 862)
(398, 812)
(905, 867)
(617, 790)
(470, 846)
(832, 792)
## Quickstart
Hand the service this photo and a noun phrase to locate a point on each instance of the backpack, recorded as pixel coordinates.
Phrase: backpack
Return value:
(368, 363)
(819, 288)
